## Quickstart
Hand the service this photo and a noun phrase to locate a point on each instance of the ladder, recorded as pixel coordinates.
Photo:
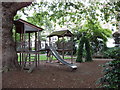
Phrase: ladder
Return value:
(31, 64)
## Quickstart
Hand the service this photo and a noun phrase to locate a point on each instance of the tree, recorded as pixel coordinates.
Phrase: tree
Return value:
(73, 14)
(94, 33)
(84, 42)
(97, 35)
(9, 55)
(111, 78)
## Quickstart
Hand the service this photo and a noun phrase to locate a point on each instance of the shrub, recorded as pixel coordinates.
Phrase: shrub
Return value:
(111, 52)
(84, 41)
(111, 77)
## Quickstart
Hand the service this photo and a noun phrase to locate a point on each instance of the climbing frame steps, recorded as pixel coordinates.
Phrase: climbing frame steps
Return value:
(29, 62)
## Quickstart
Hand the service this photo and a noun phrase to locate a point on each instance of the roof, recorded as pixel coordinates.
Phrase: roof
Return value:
(22, 25)
(61, 33)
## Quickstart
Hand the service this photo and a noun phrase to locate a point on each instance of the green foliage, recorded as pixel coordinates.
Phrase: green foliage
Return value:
(97, 37)
(62, 12)
(18, 16)
(117, 9)
(88, 50)
(84, 42)
(96, 34)
(95, 31)
(111, 77)
(80, 51)
(111, 52)
(71, 14)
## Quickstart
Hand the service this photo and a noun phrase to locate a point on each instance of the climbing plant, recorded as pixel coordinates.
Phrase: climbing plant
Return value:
(84, 42)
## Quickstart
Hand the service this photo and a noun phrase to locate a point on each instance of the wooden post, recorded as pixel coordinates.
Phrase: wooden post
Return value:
(20, 47)
(36, 49)
(39, 42)
(24, 39)
(63, 51)
(72, 50)
(24, 56)
(58, 46)
(29, 41)
(49, 53)
(58, 42)
(29, 48)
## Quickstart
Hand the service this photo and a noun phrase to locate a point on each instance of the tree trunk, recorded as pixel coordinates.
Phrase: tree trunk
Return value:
(9, 55)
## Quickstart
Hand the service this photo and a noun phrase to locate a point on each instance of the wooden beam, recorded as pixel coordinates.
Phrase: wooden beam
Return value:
(72, 50)
(36, 48)
(20, 47)
(36, 44)
(29, 48)
(63, 48)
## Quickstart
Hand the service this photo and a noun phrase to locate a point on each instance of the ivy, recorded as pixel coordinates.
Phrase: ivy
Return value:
(84, 42)
(111, 77)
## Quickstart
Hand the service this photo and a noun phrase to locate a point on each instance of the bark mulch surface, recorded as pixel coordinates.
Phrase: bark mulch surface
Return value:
(56, 76)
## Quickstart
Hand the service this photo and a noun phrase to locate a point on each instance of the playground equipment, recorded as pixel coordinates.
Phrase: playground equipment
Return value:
(63, 46)
(28, 50)
(28, 46)
(55, 53)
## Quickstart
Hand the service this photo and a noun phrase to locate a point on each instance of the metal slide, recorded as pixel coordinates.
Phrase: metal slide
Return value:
(55, 53)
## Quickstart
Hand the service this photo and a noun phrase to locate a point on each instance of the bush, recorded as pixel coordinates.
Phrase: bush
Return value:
(111, 52)
(84, 41)
(111, 77)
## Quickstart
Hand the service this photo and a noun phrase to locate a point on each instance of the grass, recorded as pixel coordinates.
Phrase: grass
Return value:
(44, 57)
